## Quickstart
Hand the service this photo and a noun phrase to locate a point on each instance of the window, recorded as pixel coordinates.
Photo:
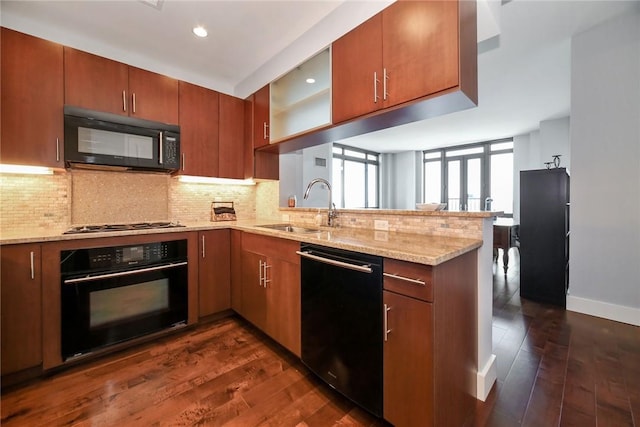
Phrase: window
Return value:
(355, 177)
(464, 177)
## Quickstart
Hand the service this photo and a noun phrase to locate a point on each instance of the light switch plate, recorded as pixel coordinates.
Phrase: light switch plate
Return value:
(380, 224)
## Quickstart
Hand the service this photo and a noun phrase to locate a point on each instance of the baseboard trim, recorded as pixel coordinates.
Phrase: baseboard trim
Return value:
(618, 313)
(486, 378)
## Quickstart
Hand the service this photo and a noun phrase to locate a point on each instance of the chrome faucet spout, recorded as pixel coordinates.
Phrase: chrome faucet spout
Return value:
(332, 213)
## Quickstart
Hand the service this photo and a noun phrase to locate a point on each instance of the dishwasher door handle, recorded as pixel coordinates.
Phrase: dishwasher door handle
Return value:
(362, 268)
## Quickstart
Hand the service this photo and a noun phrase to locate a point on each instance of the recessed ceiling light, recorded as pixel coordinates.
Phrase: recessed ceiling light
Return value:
(311, 80)
(200, 31)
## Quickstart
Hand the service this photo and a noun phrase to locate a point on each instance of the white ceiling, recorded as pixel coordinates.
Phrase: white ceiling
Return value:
(525, 80)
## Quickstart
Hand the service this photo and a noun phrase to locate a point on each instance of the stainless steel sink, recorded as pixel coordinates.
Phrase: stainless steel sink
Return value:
(289, 228)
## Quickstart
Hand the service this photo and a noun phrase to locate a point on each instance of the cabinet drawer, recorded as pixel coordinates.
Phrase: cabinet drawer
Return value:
(273, 247)
(408, 278)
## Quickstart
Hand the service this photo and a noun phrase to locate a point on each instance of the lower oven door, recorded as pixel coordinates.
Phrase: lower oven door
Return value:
(109, 308)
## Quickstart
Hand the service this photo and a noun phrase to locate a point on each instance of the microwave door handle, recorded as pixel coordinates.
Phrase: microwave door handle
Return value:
(160, 139)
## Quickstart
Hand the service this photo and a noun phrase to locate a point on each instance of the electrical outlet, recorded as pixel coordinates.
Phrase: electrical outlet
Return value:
(380, 224)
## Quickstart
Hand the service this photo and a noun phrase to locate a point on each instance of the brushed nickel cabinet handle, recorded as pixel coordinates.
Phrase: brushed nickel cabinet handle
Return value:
(57, 149)
(134, 102)
(385, 77)
(387, 331)
(266, 280)
(406, 279)
(33, 266)
(183, 162)
(124, 101)
(265, 128)
(375, 87)
(203, 252)
(260, 270)
(160, 138)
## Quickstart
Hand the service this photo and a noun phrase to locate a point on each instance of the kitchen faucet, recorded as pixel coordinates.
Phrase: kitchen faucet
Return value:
(332, 213)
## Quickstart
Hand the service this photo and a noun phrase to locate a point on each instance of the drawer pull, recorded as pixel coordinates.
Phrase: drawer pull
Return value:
(387, 309)
(406, 279)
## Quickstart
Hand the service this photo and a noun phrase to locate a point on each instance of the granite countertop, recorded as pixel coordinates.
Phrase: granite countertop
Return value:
(419, 248)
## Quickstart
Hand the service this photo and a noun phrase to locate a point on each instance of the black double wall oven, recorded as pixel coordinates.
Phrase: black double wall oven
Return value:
(114, 294)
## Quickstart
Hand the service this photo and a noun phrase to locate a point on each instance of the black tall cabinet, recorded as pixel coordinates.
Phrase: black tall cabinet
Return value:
(544, 235)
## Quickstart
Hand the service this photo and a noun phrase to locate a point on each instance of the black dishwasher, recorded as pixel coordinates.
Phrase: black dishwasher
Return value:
(342, 321)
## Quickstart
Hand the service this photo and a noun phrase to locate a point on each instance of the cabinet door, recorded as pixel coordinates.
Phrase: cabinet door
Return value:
(355, 58)
(283, 303)
(408, 361)
(236, 271)
(261, 117)
(420, 48)
(254, 299)
(231, 141)
(153, 96)
(95, 83)
(214, 272)
(198, 130)
(21, 307)
(32, 99)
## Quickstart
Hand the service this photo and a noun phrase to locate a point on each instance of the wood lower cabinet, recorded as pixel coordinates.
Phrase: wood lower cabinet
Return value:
(214, 272)
(271, 288)
(410, 50)
(408, 355)
(430, 342)
(21, 285)
(198, 130)
(32, 98)
(100, 84)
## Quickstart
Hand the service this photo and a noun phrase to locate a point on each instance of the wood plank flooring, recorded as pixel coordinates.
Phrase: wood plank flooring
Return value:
(555, 368)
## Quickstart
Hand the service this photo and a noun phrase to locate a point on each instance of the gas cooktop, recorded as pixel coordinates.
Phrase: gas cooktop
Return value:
(121, 227)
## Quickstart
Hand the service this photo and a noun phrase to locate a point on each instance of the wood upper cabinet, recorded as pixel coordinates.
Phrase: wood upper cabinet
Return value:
(231, 137)
(198, 130)
(259, 164)
(214, 272)
(32, 99)
(153, 96)
(21, 307)
(100, 84)
(261, 117)
(356, 77)
(271, 287)
(410, 50)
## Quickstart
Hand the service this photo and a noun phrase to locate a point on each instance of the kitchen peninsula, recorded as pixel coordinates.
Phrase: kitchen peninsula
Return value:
(439, 256)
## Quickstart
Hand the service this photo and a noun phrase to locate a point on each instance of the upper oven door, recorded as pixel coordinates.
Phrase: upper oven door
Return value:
(129, 143)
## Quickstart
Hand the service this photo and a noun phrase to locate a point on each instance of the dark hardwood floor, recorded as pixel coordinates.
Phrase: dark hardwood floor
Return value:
(555, 368)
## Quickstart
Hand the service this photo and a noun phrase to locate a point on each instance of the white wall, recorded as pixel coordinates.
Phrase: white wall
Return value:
(298, 168)
(405, 184)
(532, 150)
(605, 171)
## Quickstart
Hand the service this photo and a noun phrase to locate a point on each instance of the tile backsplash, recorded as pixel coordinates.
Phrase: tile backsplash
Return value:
(94, 197)
(100, 197)
(38, 201)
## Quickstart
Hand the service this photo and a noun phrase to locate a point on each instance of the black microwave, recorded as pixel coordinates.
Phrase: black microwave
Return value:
(99, 140)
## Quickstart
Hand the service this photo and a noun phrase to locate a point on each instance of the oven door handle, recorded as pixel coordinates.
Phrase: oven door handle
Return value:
(123, 273)
(362, 268)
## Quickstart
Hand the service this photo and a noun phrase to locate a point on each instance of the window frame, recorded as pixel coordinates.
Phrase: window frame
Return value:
(366, 161)
(484, 155)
